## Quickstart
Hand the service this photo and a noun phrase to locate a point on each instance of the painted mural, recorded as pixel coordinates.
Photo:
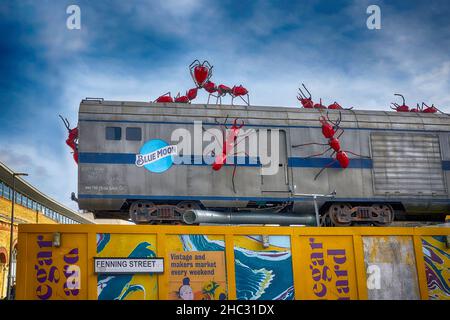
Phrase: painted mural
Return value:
(390, 266)
(437, 267)
(196, 268)
(263, 273)
(197, 275)
(328, 268)
(127, 286)
(58, 271)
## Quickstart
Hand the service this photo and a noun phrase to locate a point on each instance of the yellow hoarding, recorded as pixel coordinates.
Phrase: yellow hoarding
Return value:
(212, 262)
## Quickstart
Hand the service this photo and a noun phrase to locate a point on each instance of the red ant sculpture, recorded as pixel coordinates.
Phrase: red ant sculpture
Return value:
(431, 109)
(304, 100)
(201, 73)
(72, 138)
(187, 98)
(229, 141)
(307, 102)
(222, 90)
(418, 108)
(329, 130)
(398, 108)
(164, 98)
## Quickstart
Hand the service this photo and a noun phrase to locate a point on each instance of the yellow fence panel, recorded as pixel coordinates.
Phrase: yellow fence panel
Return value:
(235, 262)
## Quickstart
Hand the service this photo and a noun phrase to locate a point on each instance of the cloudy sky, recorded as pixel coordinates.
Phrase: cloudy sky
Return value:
(137, 50)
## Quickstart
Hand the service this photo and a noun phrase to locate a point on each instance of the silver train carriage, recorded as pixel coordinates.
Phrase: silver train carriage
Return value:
(399, 166)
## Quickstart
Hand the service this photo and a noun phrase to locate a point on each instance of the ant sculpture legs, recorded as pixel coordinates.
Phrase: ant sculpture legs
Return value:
(327, 166)
(234, 169)
(247, 102)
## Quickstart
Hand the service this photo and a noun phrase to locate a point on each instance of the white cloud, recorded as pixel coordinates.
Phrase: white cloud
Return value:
(52, 173)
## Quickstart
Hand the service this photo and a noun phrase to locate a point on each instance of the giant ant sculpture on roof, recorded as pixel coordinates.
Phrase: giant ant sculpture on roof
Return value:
(201, 74)
(424, 108)
(307, 102)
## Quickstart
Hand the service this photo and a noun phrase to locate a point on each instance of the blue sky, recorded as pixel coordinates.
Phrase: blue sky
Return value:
(137, 50)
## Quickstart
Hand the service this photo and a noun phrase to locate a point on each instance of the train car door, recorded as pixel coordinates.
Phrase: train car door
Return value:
(278, 182)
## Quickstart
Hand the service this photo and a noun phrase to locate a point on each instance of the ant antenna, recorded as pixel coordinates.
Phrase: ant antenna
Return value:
(307, 90)
(400, 95)
(302, 95)
(66, 122)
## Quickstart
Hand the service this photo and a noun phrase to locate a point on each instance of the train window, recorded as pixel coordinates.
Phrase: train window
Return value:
(134, 134)
(113, 133)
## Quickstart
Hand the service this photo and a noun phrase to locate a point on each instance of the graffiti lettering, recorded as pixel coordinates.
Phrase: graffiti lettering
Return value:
(46, 273)
(322, 274)
(72, 272)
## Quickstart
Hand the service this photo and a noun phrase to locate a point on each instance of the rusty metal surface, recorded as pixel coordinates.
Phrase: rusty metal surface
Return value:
(391, 268)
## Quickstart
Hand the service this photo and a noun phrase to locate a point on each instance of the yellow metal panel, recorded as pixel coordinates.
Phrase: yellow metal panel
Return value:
(360, 270)
(56, 273)
(163, 280)
(22, 268)
(166, 238)
(297, 256)
(92, 277)
(329, 271)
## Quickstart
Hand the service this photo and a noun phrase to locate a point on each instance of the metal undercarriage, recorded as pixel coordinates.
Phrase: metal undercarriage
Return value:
(336, 214)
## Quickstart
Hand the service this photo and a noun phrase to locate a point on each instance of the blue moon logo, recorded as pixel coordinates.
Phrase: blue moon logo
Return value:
(156, 156)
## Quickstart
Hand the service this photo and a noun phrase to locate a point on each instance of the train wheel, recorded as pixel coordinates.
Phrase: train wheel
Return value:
(141, 211)
(384, 214)
(340, 214)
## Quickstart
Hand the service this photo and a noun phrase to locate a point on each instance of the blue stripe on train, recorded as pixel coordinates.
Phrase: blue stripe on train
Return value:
(357, 163)
(130, 158)
(445, 165)
(295, 162)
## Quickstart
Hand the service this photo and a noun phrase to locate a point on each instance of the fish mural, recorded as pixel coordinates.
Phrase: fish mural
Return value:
(260, 274)
(437, 260)
(126, 286)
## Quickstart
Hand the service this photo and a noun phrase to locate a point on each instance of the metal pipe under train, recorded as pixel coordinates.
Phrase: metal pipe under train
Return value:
(207, 216)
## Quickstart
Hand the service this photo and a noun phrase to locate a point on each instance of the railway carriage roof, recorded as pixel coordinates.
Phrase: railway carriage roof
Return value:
(272, 115)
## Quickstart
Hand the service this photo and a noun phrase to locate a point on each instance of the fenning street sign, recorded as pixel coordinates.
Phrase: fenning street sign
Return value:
(128, 265)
